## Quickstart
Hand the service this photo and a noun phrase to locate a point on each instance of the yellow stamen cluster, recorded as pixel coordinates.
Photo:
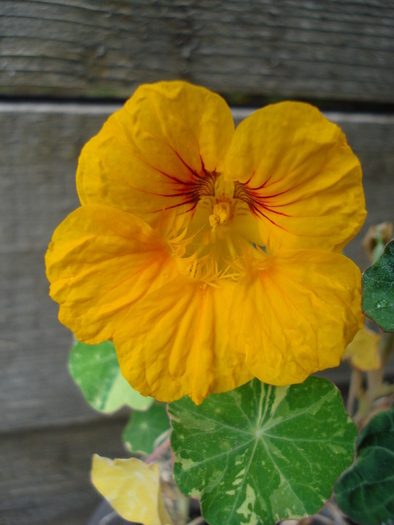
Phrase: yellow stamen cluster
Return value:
(220, 214)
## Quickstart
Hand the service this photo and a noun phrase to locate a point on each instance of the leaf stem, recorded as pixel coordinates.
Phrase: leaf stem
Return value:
(355, 387)
(197, 521)
(163, 447)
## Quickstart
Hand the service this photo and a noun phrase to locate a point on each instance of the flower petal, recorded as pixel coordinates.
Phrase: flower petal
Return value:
(174, 343)
(158, 151)
(297, 315)
(132, 488)
(299, 176)
(100, 261)
(363, 351)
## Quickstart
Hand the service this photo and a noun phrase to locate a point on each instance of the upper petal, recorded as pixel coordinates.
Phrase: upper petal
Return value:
(158, 151)
(174, 343)
(299, 177)
(100, 261)
(296, 316)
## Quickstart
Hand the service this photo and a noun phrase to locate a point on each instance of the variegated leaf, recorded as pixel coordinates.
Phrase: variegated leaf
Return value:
(262, 453)
(96, 370)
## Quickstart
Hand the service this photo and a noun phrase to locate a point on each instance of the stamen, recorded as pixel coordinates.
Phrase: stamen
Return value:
(215, 247)
(220, 214)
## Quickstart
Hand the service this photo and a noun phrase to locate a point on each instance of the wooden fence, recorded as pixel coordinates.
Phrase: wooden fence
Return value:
(65, 65)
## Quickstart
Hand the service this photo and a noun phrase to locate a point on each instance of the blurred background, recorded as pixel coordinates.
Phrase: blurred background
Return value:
(65, 65)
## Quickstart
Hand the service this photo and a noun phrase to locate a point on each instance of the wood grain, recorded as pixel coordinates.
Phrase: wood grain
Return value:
(45, 474)
(319, 49)
(40, 144)
(39, 151)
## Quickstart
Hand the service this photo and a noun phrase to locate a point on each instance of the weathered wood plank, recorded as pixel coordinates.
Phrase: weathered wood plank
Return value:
(327, 49)
(39, 147)
(45, 474)
(39, 150)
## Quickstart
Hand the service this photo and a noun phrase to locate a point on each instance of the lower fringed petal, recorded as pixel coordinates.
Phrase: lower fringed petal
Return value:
(297, 315)
(174, 342)
(100, 261)
(229, 369)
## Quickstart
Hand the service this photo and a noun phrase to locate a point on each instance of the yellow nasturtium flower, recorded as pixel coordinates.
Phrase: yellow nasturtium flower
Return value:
(208, 255)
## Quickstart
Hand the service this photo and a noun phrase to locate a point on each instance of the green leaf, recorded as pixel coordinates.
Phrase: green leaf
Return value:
(365, 492)
(378, 290)
(96, 370)
(144, 428)
(262, 453)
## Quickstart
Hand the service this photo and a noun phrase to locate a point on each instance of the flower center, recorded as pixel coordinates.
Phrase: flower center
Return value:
(223, 230)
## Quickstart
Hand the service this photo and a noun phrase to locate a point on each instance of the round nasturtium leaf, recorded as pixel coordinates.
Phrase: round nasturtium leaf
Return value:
(96, 370)
(144, 428)
(261, 453)
(365, 492)
(378, 290)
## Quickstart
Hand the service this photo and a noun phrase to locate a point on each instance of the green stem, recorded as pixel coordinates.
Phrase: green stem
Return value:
(356, 380)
